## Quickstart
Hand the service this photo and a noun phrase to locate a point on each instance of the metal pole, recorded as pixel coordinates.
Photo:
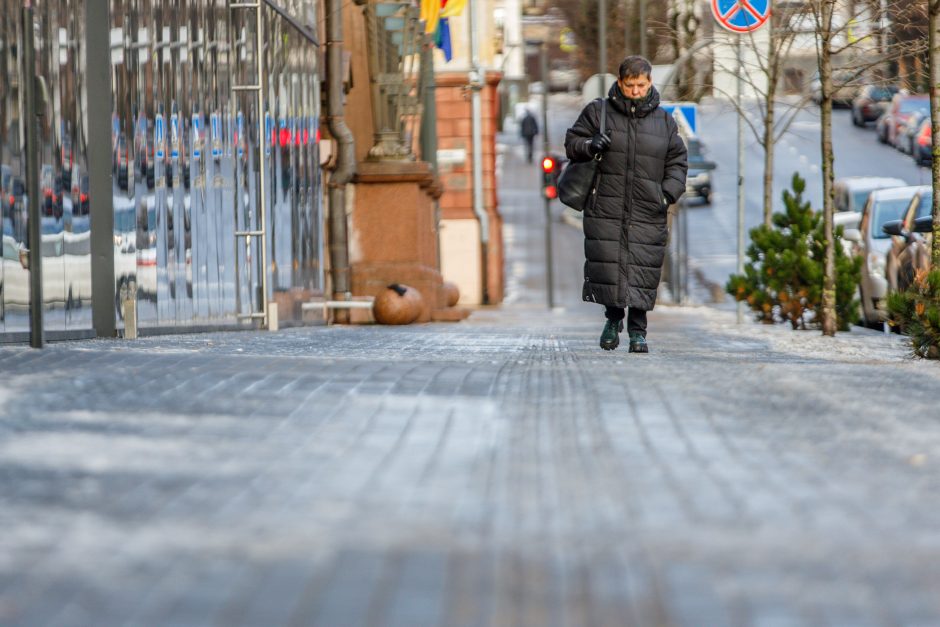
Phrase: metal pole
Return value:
(476, 113)
(739, 91)
(32, 110)
(549, 275)
(98, 82)
(684, 259)
(262, 192)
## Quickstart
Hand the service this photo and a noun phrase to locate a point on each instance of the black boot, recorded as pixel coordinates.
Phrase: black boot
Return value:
(638, 344)
(610, 337)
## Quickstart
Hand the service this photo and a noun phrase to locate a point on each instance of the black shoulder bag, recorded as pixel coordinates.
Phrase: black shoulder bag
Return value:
(578, 181)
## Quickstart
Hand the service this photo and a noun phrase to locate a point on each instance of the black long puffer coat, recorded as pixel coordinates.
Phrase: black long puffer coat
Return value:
(625, 221)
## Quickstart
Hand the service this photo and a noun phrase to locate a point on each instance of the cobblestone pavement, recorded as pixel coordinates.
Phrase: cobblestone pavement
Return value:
(499, 471)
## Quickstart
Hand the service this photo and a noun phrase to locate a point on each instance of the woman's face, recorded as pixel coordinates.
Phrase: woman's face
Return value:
(635, 87)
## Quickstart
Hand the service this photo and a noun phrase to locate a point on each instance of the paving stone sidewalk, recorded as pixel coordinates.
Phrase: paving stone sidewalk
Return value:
(499, 471)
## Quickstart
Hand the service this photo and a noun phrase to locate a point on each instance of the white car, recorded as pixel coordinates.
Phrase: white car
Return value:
(873, 245)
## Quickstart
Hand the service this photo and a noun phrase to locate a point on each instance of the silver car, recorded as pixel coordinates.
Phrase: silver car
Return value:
(873, 245)
(852, 191)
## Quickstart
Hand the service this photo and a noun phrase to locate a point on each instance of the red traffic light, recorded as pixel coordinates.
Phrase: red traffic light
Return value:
(551, 192)
(548, 164)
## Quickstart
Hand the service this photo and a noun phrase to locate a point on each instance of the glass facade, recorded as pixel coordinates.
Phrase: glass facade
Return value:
(63, 180)
(187, 164)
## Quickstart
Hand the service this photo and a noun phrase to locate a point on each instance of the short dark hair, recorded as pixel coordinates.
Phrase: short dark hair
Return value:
(635, 66)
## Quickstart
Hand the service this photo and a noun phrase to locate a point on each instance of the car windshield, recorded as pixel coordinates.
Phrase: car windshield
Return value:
(859, 199)
(914, 104)
(926, 204)
(886, 211)
(881, 93)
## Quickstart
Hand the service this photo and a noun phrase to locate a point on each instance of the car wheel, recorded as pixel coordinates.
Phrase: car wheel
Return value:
(707, 198)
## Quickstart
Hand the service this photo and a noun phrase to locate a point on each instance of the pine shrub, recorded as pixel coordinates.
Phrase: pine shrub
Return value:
(917, 311)
(783, 277)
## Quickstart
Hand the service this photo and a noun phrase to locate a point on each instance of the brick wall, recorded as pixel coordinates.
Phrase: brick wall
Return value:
(454, 128)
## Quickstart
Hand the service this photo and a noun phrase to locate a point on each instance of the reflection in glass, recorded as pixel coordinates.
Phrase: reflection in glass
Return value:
(63, 181)
(187, 159)
(185, 162)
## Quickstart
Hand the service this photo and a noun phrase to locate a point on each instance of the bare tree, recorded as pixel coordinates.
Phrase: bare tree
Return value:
(792, 29)
(823, 12)
(769, 51)
(684, 22)
(833, 39)
(842, 42)
(933, 17)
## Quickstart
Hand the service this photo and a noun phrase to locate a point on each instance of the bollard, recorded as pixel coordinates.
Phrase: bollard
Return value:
(397, 304)
(128, 296)
(451, 293)
(272, 317)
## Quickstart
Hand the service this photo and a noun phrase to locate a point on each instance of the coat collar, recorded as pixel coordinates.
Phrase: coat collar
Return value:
(623, 105)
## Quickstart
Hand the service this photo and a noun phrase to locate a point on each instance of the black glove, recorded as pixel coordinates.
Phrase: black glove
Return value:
(599, 143)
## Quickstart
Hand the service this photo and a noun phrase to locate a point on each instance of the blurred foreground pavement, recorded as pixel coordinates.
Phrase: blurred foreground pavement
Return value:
(499, 471)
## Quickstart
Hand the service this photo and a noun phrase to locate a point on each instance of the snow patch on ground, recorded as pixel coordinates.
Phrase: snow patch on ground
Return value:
(857, 345)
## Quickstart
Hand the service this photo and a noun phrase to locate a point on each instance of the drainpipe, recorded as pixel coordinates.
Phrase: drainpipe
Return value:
(345, 157)
(476, 85)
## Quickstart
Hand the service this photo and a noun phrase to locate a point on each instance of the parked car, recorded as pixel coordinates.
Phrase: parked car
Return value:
(907, 133)
(848, 220)
(844, 86)
(923, 144)
(870, 103)
(143, 145)
(873, 244)
(902, 107)
(908, 251)
(698, 183)
(50, 185)
(852, 192)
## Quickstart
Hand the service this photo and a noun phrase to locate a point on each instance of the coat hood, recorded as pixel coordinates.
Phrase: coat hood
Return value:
(622, 104)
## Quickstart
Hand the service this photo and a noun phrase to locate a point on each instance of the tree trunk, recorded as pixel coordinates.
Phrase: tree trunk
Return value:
(934, 42)
(769, 141)
(825, 78)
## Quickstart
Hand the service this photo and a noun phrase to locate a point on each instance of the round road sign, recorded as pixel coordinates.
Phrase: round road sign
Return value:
(741, 16)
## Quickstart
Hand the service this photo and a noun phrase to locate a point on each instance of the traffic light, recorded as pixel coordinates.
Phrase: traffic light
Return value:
(550, 177)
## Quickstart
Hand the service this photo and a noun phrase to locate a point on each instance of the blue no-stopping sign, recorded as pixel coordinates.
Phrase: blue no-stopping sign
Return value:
(741, 16)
